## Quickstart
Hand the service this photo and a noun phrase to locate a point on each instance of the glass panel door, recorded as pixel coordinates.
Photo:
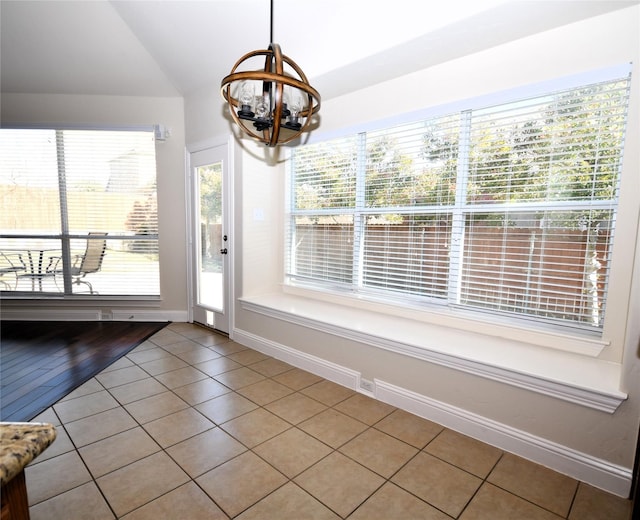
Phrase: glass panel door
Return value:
(210, 240)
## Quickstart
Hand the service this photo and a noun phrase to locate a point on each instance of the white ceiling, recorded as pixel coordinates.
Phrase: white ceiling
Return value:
(175, 47)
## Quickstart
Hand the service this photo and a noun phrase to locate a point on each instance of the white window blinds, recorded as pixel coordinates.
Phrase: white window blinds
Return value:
(69, 192)
(509, 209)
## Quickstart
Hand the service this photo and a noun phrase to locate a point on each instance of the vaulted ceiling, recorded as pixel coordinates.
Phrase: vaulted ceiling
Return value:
(176, 47)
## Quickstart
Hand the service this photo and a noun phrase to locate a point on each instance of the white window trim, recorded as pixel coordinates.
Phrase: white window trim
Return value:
(557, 362)
(584, 341)
(73, 298)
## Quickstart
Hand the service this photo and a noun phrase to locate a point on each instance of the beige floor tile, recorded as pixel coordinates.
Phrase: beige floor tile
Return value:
(535, 483)
(215, 338)
(409, 428)
(248, 357)
(391, 502)
(136, 484)
(444, 486)
(90, 387)
(239, 378)
(155, 407)
(297, 379)
(222, 346)
(226, 407)
(174, 428)
(166, 337)
(197, 355)
(379, 452)
(332, 427)
(188, 330)
(162, 365)
(149, 354)
(339, 483)
(255, 427)
(122, 376)
(364, 408)
(290, 502)
(137, 390)
(296, 408)
(469, 454)
(496, 504)
(99, 426)
(186, 345)
(55, 476)
(181, 377)
(292, 452)
(145, 345)
(201, 391)
(123, 362)
(186, 502)
(84, 501)
(85, 406)
(265, 392)
(48, 416)
(205, 451)
(594, 504)
(271, 367)
(192, 330)
(217, 366)
(114, 452)
(210, 337)
(328, 392)
(238, 484)
(61, 445)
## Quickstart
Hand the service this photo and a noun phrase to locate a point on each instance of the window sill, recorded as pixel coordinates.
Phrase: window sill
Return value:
(579, 379)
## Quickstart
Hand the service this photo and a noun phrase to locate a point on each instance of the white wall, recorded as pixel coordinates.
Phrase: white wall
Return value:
(592, 445)
(170, 159)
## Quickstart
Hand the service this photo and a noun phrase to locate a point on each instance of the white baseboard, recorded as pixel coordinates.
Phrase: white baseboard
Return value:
(326, 369)
(146, 315)
(43, 314)
(581, 466)
(51, 315)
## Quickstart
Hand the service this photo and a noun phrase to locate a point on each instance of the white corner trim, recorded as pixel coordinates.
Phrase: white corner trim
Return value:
(598, 398)
(581, 466)
(586, 468)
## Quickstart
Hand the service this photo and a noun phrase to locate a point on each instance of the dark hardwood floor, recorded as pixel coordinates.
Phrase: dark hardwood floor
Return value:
(41, 362)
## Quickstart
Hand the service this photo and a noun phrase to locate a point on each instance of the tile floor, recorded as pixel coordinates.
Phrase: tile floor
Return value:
(190, 425)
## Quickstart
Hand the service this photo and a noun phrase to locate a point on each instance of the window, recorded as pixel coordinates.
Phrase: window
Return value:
(79, 213)
(508, 209)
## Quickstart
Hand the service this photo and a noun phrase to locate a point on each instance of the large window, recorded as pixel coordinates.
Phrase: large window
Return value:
(79, 213)
(508, 209)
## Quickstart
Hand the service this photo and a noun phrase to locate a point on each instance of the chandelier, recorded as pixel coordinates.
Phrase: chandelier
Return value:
(273, 104)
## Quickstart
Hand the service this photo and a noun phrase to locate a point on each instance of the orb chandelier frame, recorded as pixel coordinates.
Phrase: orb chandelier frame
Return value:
(272, 105)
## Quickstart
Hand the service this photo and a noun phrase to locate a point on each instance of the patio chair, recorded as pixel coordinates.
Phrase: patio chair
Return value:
(10, 266)
(88, 262)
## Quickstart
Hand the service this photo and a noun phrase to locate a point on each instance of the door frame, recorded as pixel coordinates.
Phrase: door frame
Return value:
(228, 193)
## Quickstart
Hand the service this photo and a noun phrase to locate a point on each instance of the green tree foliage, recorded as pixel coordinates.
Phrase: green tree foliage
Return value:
(210, 193)
(325, 176)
